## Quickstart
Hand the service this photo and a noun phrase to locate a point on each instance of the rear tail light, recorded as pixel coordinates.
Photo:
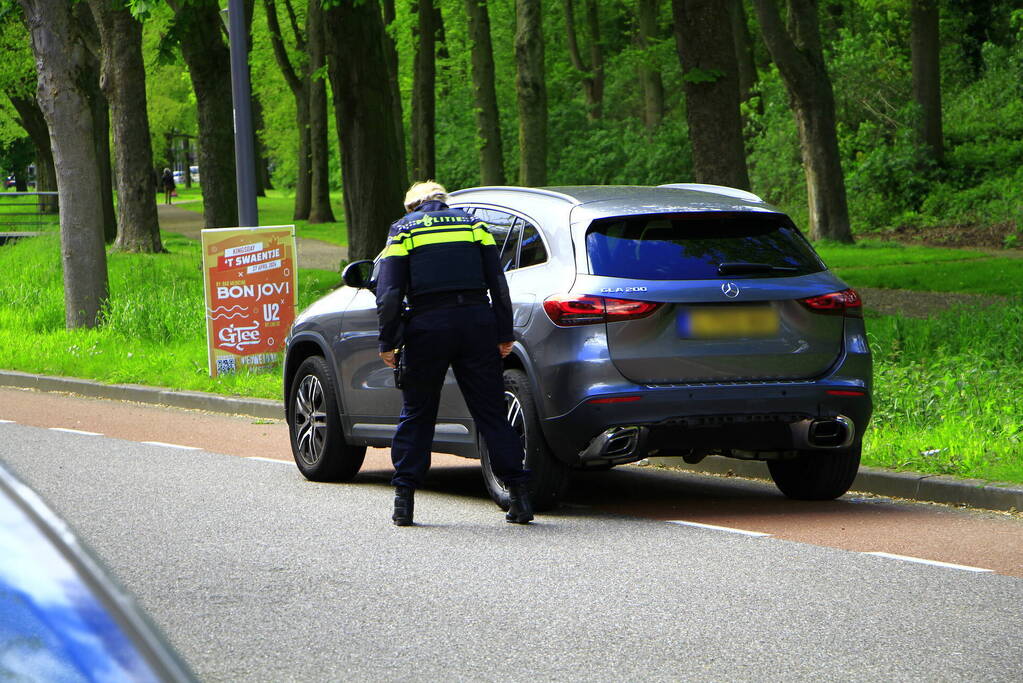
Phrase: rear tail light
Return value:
(567, 310)
(846, 302)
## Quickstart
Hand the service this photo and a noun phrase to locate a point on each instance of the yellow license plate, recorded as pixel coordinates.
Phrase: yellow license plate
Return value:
(728, 323)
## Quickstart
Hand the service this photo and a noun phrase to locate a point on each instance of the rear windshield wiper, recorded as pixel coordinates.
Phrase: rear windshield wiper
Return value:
(742, 268)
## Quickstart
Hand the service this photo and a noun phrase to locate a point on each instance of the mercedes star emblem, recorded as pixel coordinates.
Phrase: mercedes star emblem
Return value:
(730, 289)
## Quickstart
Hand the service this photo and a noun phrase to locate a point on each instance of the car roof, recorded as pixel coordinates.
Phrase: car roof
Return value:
(617, 200)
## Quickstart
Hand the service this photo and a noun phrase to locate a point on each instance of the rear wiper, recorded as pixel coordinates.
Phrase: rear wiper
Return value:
(742, 267)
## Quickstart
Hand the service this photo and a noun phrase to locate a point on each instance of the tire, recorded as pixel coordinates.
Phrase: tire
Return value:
(550, 475)
(816, 475)
(314, 422)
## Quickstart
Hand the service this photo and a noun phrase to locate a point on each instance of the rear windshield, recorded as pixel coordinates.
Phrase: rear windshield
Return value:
(688, 247)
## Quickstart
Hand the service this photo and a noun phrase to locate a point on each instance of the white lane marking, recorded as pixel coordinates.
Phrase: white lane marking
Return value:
(73, 431)
(713, 527)
(172, 445)
(935, 563)
(7, 422)
(256, 457)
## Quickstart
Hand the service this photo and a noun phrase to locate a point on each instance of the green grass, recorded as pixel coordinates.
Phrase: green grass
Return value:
(876, 253)
(278, 208)
(154, 331)
(889, 265)
(947, 393)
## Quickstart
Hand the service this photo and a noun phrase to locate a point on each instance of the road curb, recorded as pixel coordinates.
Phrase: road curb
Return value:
(193, 400)
(910, 485)
(929, 488)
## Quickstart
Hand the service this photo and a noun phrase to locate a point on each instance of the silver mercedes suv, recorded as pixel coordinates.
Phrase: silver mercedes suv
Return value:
(678, 320)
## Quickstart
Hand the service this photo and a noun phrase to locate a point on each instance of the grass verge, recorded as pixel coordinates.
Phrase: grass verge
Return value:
(154, 331)
(277, 208)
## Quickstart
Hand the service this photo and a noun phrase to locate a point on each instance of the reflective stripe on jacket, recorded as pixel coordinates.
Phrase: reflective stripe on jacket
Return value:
(438, 249)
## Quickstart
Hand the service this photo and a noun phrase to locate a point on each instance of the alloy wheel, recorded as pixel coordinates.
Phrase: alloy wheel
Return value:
(310, 420)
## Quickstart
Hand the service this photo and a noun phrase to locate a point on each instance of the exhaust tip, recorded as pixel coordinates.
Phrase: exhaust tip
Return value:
(837, 432)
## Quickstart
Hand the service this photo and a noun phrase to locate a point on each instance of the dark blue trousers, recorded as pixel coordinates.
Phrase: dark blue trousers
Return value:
(464, 338)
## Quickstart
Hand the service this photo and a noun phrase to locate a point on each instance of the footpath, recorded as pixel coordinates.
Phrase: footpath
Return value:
(318, 254)
(311, 253)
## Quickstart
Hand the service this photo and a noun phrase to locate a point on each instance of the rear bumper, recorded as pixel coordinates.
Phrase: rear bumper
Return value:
(744, 417)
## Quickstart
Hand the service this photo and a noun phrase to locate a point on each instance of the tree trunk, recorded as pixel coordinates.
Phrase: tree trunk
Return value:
(299, 85)
(747, 66)
(707, 53)
(259, 149)
(593, 72)
(649, 77)
(372, 167)
(319, 152)
(61, 57)
(488, 123)
(531, 91)
(797, 52)
(391, 53)
(32, 120)
(124, 83)
(424, 115)
(209, 66)
(926, 58)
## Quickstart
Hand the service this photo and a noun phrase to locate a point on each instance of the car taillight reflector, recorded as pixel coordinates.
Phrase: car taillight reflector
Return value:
(615, 399)
(840, 392)
(846, 302)
(567, 309)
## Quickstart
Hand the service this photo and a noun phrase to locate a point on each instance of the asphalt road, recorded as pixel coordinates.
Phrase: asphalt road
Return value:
(256, 574)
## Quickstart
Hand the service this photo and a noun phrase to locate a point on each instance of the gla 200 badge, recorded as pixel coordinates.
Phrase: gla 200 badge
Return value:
(621, 290)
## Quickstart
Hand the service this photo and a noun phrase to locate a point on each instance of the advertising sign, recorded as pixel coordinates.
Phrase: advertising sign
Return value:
(250, 288)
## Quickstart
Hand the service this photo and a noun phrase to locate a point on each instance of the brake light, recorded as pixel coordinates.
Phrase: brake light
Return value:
(846, 302)
(567, 310)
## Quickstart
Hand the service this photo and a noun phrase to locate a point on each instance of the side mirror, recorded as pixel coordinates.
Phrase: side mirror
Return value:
(358, 274)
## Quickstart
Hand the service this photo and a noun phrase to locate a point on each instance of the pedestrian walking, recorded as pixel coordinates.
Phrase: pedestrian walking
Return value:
(443, 263)
(167, 183)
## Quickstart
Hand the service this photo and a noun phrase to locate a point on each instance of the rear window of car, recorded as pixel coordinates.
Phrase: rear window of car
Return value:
(693, 247)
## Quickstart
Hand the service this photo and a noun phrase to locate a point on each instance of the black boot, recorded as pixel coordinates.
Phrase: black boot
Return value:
(520, 511)
(403, 504)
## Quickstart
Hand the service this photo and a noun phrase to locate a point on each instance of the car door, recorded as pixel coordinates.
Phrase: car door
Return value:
(370, 401)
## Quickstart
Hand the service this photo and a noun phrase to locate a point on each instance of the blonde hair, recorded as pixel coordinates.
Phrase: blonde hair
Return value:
(424, 192)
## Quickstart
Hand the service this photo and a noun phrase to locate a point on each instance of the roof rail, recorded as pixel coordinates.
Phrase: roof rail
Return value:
(516, 188)
(715, 189)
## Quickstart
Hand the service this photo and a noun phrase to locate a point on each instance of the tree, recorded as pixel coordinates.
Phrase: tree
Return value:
(200, 33)
(298, 82)
(593, 71)
(391, 54)
(531, 92)
(649, 77)
(747, 65)
(61, 56)
(424, 81)
(319, 153)
(123, 81)
(703, 34)
(100, 117)
(926, 58)
(373, 169)
(797, 53)
(30, 116)
(488, 121)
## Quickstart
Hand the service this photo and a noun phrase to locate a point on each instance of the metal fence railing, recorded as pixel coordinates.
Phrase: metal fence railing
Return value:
(24, 214)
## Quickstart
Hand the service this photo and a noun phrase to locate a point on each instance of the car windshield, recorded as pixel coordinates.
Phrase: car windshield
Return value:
(699, 247)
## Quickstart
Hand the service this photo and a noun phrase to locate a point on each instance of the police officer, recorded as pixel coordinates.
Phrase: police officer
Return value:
(443, 263)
